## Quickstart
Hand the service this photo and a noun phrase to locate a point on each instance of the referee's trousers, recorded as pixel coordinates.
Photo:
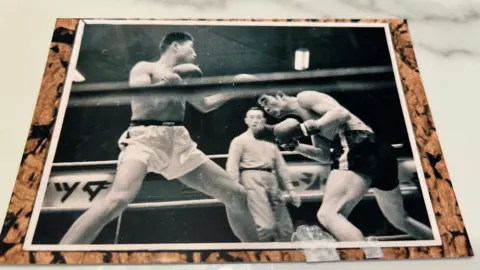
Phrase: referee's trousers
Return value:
(267, 206)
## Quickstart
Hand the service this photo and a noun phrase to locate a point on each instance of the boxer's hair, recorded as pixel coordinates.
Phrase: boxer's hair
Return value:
(170, 38)
(255, 108)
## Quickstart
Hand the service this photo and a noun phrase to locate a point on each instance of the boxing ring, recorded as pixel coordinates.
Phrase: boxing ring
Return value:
(108, 94)
(109, 174)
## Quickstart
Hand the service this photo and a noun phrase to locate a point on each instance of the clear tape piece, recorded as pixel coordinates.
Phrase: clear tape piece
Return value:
(306, 234)
(373, 251)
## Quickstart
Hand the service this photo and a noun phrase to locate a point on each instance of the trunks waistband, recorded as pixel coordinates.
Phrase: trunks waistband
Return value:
(135, 123)
(257, 169)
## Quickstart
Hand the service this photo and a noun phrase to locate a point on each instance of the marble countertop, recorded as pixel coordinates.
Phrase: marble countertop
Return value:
(446, 38)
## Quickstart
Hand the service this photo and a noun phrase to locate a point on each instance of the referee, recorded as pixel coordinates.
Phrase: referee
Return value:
(257, 164)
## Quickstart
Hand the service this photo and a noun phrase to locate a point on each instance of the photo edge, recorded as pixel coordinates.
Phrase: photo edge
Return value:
(411, 136)
(29, 246)
(230, 246)
(234, 22)
(43, 183)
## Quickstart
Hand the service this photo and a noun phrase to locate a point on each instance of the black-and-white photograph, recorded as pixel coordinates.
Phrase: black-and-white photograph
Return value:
(191, 135)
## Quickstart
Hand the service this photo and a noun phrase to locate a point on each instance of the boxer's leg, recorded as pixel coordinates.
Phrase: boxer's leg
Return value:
(391, 204)
(212, 180)
(389, 196)
(343, 191)
(127, 183)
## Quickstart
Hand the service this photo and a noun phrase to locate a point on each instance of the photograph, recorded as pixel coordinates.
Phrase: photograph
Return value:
(231, 135)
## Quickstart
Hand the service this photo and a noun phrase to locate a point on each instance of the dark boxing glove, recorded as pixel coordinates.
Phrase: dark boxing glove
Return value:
(265, 133)
(290, 145)
(290, 129)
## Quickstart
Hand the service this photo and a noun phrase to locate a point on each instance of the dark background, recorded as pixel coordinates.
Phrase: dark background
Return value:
(107, 54)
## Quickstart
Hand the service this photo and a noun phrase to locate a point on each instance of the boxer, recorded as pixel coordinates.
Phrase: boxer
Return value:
(157, 142)
(361, 160)
(257, 164)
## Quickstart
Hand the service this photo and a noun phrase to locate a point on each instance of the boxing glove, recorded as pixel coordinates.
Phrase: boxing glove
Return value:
(290, 129)
(172, 78)
(265, 134)
(290, 145)
(188, 71)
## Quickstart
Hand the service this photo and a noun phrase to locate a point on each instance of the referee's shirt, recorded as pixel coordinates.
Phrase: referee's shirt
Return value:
(246, 152)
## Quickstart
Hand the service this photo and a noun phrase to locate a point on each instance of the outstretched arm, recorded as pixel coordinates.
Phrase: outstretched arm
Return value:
(213, 102)
(210, 103)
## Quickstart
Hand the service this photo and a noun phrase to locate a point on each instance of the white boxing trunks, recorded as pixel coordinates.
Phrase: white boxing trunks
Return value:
(165, 150)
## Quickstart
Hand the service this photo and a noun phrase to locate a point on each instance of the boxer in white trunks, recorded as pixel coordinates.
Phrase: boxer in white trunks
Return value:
(361, 160)
(258, 165)
(157, 142)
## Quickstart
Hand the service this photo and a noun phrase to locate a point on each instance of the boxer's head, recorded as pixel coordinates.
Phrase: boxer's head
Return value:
(255, 119)
(180, 46)
(277, 105)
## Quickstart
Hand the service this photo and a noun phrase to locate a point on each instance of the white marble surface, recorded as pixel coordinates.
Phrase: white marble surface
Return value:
(446, 36)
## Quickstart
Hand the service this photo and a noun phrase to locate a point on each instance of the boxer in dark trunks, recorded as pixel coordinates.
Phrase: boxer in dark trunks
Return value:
(361, 160)
(157, 142)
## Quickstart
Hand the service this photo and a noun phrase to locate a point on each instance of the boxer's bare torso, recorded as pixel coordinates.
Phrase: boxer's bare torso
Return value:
(311, 102)
(160, 108)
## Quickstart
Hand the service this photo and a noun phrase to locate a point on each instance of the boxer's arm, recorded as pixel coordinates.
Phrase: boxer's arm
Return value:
(234, 157)
(210, 103)
(140, 75)
(282, 170)
(313, 152)
(213, 102)
(333, 114)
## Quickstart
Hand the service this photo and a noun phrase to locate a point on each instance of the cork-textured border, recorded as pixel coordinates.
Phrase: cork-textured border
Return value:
(455, 242)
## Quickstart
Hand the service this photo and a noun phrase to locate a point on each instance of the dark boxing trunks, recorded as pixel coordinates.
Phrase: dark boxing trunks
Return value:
(362, 152)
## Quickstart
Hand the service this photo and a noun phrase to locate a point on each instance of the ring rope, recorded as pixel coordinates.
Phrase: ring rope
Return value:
(112, 93)
(305, 196)
(117, 229)
(260, 78)
(115, 162)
